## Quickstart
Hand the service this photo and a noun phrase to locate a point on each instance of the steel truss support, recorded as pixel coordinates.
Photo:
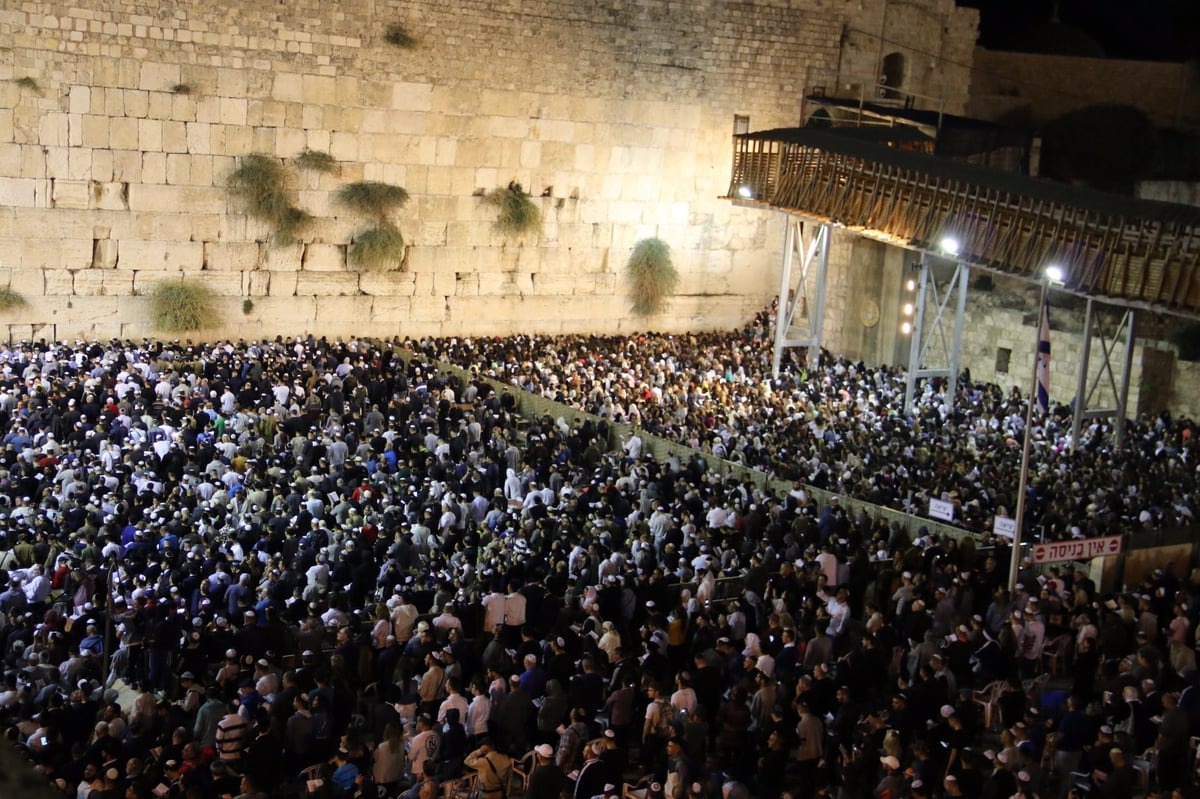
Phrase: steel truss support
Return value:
(932, 298)
(1084, 395)
(799, 318)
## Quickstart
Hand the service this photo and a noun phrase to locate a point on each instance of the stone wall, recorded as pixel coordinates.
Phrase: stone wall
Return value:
(1031, 89)
(121, 121)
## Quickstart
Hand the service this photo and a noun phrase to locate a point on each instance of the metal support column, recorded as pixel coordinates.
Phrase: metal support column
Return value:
(919, 367)
(799, 321)
(918, 332)
(1119, 388)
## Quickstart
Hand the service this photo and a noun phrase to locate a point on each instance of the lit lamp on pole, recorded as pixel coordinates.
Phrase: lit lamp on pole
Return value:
(1052, 274)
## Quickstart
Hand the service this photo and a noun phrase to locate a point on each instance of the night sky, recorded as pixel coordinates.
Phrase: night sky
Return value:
(1153, 30)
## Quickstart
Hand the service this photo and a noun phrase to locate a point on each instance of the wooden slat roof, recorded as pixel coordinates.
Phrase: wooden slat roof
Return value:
(1118, 249)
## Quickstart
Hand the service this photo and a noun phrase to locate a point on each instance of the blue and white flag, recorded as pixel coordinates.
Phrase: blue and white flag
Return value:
(1043, 360)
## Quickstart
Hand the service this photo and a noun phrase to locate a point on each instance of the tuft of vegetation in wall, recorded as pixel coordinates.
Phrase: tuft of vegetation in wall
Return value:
(517, 212)
(247, 306)
(182, 88)
(28, 84)
(380, 246)
(397, 35)
(10, 299)
(652, 276)
(318, 161)
(372, 198)
(177, 306)
(263, 185)
(378, 249)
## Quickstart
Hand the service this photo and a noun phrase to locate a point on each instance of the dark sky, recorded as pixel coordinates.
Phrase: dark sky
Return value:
(1153, 30)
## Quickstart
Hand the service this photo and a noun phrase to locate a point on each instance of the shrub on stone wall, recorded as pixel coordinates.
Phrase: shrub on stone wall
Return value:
(318, 161)
(378, 248)
(177, 306)
(652, 276)
(372, 198)
(10, 299)
(518, 213)
(262, 183)
(398, 36)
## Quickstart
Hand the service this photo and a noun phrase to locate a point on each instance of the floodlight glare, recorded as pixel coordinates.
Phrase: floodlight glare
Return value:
(906, 328)
(1055, 273)
(908, 309)
(950, 245)
(745, 192)
(911, 285)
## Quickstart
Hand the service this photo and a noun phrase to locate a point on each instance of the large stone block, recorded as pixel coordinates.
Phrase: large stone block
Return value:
(181, 199)
(104, 254)
(59, 282)
(283, 284)
(412, 96)
(223, 284)
(382, 284)
(232, 256)
(327, 284)
(343, 312)
(122, 133)
(96, 282)
(28, 282)
(324, 258)
(390, 310)
(318, 90)
(71, 194)
(110, 196)
(163, 256)
(18, 192)
(256, 283)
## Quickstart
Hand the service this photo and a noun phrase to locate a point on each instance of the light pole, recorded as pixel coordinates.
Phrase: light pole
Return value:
(1053, 274)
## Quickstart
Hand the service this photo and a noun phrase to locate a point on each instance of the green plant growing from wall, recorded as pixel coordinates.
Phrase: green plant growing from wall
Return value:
(29, 84)
(182, 88)
(10, 299)
(182, 305)
(518, 213)
(382, 245)
(652, 276)
(397, 35)
(377, 249)
(318, 161)
(247, 306)
(264, 186)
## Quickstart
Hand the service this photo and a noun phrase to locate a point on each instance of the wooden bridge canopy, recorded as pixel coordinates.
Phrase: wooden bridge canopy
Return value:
(1117, 249)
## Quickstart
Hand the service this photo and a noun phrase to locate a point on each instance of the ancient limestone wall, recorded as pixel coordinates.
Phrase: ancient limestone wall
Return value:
(120, 122)
(1029, 88)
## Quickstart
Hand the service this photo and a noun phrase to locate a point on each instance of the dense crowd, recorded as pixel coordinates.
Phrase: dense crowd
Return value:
(842, 426)
(319, 567)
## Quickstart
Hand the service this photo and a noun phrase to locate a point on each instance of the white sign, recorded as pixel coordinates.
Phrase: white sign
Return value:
(941, 510)
(1081, 549)
(1005, 526)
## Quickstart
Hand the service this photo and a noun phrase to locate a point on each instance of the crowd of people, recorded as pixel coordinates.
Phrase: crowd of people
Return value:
(302, 566)
(842, 426)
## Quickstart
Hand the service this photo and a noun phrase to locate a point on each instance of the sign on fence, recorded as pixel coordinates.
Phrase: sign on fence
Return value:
(1005, 526)
(1081, 549)
(939, 509)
